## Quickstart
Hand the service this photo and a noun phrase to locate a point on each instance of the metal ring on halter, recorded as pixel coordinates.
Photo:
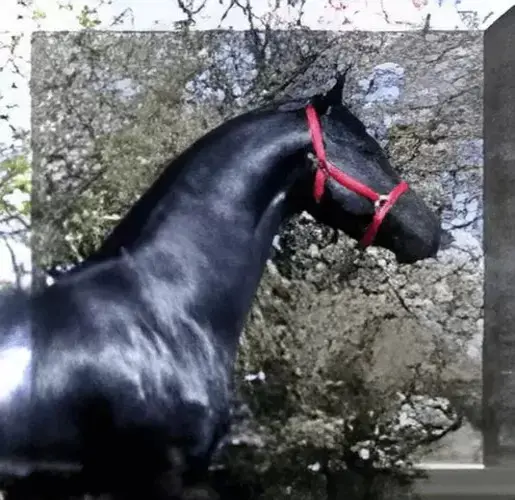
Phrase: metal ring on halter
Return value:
(313, 159)
(383, 198)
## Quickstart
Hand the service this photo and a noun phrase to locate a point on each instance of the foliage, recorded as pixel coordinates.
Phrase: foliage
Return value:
(79, 201)
(15, 186)
(88, 17)
(321, 404)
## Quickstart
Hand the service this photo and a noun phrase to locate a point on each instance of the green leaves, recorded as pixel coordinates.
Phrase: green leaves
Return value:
(88, 17)
(15, 185)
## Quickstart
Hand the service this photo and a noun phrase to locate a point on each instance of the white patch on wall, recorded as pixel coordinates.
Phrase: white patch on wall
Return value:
(125, 87)
(384, 85)
(199, 89)
(470, 153)
(238, 69)
(464, 218)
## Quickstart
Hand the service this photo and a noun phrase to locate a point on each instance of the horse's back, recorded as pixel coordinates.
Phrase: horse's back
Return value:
(107, 371)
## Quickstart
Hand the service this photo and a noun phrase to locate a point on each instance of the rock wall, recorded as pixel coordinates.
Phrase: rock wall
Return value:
(339, 343)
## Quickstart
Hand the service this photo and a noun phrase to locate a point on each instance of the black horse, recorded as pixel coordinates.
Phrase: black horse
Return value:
(123, 367)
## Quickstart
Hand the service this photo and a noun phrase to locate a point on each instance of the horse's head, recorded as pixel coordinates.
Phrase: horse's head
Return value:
(399, 221)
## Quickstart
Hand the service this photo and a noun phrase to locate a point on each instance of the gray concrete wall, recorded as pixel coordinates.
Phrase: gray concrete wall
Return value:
(499, 377)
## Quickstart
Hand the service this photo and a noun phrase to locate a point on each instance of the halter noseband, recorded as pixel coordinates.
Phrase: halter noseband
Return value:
(325, 169)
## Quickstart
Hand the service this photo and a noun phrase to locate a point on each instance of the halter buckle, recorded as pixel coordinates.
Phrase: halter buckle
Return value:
(383, 198)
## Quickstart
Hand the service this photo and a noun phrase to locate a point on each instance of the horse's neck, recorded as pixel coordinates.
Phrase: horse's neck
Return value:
(213, 231)
(233, 175)
(214, 165)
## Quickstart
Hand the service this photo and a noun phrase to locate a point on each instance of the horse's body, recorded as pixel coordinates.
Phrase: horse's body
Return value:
(132, 355)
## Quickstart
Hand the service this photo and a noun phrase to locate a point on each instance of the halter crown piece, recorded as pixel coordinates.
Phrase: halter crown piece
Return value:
(325, 169)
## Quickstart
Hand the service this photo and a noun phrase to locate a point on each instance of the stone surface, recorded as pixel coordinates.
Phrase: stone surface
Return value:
(334, 334)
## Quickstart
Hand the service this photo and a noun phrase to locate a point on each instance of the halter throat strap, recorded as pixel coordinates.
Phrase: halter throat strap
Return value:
(325, 169)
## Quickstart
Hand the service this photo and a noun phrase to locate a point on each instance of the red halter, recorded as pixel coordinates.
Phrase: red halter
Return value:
(325, 169)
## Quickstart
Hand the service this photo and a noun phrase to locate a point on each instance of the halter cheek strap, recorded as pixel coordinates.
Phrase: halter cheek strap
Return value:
(325, 169)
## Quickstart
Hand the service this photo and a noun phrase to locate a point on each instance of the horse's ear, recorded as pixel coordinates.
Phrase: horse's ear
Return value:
(333, 96)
